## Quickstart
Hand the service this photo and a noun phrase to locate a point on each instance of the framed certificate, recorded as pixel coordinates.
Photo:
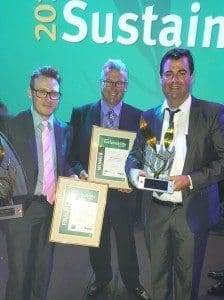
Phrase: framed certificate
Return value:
(108, 152)
(78, 212)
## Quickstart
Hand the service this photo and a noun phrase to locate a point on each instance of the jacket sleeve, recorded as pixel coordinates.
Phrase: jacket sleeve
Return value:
(209, 149)
(135, 158)
(73, 156)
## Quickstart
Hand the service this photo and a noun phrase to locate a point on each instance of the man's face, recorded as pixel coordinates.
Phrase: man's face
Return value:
(113, 87)
(176, 81)
(44, 106)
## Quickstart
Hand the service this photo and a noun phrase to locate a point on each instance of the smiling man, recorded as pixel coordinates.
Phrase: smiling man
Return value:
(178, 223)
(111, 112)
(41, 142)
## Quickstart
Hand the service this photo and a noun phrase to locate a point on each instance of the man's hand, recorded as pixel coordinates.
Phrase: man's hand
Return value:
(83, 175)
(127, 191)
(180, 182)
(134, 175)
(74, 176)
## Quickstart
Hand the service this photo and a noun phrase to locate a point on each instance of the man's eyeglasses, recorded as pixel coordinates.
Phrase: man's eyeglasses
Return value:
(43, 94)
(117, 84)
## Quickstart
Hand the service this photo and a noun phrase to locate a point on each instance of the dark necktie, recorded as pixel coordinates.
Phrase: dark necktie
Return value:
(168, 137)
(110, 118)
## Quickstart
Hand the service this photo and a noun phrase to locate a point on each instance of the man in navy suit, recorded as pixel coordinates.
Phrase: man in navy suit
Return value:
(120, 207)
(29, 251)
(178, 223)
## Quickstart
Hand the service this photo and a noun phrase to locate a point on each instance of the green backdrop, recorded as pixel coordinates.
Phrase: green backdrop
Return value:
(77, 37)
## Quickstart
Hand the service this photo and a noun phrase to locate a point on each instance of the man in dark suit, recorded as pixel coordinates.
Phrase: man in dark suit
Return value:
(177, 225)
(29, 251)
(120, 207)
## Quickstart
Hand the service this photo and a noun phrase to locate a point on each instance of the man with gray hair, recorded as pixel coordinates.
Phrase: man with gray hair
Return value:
(120, 207)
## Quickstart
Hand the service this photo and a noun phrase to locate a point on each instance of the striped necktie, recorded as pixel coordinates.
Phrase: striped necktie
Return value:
(49, 179)
(168, 137)
(110, 119)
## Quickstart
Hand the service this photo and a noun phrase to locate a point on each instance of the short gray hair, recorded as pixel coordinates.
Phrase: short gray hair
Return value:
(114, 64)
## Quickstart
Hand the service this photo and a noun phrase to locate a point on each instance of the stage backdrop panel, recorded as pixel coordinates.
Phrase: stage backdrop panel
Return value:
(78, 36)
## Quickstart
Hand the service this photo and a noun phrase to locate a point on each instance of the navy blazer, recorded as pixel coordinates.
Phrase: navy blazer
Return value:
(82, 120)
(21, 134)
(204, 160)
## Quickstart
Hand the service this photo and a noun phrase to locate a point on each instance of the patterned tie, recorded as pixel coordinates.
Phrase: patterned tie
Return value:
(110, 118)
(168, 137)
(49, 180)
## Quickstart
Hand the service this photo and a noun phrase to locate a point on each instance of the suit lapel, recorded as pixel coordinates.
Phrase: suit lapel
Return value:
(27, 148)
(59, 139)
(95, 113)
(158, 122)
(154, 119)
(123, 122)
(93, 118)
(29, 137)
(194, 118)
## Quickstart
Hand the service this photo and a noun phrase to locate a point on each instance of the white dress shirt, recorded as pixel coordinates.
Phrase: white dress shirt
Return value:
(181, 124)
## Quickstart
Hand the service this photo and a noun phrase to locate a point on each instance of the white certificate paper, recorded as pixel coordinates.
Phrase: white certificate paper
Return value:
(82, 217)
(114, 162)
(108, 153)
(78, 212)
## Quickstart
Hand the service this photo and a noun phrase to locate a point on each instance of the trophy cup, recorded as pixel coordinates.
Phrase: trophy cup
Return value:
(157, 160)
(12, 181)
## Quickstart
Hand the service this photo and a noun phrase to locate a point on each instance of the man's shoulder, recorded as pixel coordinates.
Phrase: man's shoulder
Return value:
(18, 119)
(131, 108)
(207, 106)
(61, 124)
(86, 111)
(22, 114)
(85, 107)
(153, 111)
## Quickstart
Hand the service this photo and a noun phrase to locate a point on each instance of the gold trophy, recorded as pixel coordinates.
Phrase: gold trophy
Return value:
(11, 181)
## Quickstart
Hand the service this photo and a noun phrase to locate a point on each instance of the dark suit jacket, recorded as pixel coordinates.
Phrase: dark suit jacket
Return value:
(82, 120)
(21, 134)
(204, 160)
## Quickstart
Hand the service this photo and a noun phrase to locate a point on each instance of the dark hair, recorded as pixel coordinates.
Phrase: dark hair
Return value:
(46, 71)
(176, 54)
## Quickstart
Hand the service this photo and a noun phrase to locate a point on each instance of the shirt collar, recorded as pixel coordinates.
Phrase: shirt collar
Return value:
(37, 118)
(184, 107)
(105, 107)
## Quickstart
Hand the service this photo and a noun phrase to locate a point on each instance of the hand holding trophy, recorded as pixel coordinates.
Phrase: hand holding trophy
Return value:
(11, 177)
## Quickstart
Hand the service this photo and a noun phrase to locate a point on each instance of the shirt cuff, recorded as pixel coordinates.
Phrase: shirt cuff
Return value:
(191, 185)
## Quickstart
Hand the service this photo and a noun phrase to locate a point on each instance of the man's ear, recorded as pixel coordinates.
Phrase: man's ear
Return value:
(126, 87)
(29, 92)
(160, 79)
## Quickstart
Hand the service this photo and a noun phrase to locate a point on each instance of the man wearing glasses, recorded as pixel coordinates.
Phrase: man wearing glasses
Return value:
(111, 112)
(33, 134)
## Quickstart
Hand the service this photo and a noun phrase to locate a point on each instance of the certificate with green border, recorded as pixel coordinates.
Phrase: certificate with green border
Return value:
(78, 212)
(108, 152)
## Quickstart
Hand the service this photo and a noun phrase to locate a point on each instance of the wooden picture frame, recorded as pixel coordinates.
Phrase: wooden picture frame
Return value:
(78, 212)
(109, 149)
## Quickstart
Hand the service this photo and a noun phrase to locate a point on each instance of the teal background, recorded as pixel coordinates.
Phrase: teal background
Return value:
(80, 63)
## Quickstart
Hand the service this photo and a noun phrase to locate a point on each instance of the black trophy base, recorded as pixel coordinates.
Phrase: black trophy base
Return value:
(11, 211)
